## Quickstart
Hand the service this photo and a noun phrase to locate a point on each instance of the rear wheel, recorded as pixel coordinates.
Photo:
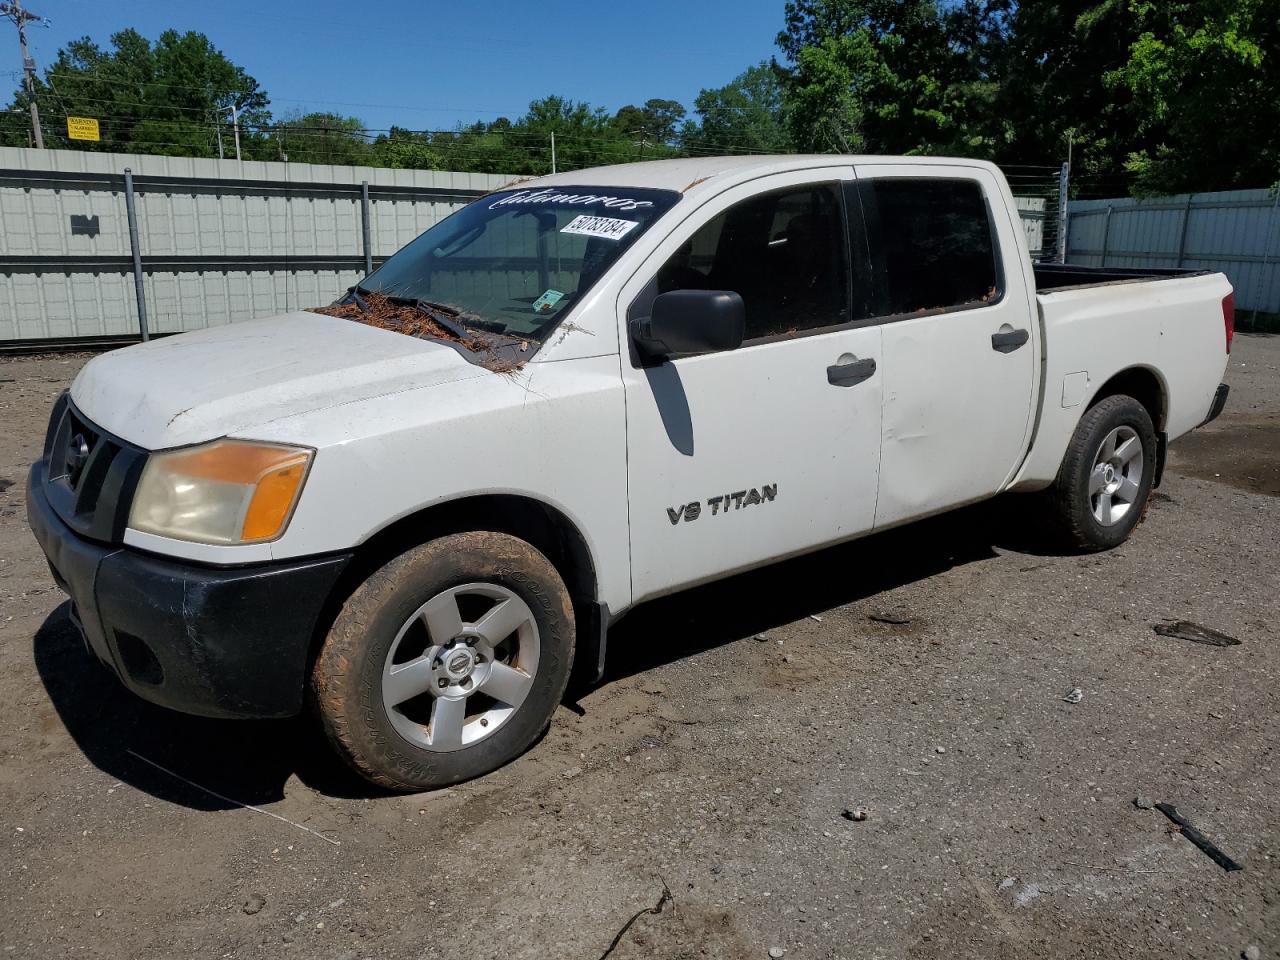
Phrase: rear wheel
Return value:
(1105, 478)
(447, 662)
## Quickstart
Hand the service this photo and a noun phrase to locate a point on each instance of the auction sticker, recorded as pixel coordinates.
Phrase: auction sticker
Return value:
(548, 300)
(606, 227)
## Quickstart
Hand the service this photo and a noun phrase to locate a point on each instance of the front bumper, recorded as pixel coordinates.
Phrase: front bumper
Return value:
(217, 642)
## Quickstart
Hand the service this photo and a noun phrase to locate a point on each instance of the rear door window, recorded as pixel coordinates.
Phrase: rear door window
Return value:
(931, 244)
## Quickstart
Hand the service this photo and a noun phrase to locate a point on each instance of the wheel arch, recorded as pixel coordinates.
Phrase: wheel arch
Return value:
(1144, 384)
(541, 524)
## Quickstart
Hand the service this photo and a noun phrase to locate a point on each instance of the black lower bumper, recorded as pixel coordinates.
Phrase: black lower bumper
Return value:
(218, 642)
(1219, 401)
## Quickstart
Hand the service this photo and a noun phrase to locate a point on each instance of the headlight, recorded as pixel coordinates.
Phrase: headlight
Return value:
(228, 491)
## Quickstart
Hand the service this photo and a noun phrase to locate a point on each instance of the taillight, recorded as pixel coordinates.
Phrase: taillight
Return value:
(1229, 316)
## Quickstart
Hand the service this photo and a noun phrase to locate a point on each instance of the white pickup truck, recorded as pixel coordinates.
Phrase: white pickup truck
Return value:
(577, 394)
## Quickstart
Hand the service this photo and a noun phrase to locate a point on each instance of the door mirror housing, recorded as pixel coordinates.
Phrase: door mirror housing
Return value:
(687, 322)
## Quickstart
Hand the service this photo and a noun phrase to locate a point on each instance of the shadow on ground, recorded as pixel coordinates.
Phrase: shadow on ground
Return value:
(250, 761)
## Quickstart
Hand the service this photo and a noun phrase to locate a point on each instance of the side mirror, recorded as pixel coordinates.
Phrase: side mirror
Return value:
(685, 322)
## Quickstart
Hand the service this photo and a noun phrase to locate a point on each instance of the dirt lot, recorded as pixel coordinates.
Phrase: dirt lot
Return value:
(1001, 822)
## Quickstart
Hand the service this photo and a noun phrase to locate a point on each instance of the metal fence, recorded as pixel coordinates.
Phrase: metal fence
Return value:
(83, 245)
(1037, 192)
(1236, 232)
(218, 240)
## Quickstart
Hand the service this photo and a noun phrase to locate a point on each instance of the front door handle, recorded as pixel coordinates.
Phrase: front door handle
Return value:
(1007, 341)
(848, 374)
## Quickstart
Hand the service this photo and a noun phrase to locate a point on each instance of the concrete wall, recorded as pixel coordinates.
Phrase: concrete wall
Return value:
(222, 240)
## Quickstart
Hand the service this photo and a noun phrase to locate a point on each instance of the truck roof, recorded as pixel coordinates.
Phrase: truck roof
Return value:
(687, 173)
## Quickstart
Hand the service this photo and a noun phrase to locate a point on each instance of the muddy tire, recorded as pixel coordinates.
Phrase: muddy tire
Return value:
(447, 662)
(1101, 491)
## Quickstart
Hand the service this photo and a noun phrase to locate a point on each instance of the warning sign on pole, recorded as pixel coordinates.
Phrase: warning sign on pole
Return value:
(82, 128)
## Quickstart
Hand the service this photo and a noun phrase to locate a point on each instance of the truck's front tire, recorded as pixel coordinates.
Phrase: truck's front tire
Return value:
(447, 662)
(1105, 478)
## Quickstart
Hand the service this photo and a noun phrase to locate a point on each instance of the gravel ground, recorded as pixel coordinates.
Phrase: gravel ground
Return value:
(737, 723)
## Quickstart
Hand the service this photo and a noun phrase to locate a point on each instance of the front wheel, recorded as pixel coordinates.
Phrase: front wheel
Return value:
(1105, 478)
(447, 662)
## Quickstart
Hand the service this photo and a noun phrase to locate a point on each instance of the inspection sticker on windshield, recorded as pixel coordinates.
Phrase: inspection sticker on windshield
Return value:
(606, 227)
(548, 300)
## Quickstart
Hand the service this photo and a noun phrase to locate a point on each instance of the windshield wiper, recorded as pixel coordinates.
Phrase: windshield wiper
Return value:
(449, 317)
(446, 316)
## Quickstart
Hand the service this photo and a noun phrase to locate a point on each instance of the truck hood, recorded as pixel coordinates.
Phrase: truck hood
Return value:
(226, 380)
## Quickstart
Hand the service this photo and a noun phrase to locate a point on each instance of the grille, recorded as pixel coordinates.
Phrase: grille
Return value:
(90, 475)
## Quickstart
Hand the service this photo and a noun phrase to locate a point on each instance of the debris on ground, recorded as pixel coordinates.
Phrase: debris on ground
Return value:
(417, 320)
(1186, 630)
(1251, 952)
(655, 910)
(897, 619)
(815, 617)
(253, 903)
(1199, 839)
(1075, 696)
(856, 814)
(1142, 803)
(1029, 892)
(777, 953)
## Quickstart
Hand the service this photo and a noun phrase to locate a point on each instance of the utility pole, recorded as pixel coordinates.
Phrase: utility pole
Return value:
(553, 151)
(20, 19)
(235, 123)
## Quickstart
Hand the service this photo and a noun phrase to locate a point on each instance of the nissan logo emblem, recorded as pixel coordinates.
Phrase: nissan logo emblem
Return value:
(459, 662)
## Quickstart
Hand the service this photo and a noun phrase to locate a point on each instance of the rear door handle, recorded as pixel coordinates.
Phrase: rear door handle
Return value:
(848, 374)
(1008, 341)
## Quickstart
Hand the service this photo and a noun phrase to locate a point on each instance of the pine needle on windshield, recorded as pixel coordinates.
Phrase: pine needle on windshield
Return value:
(378, 310)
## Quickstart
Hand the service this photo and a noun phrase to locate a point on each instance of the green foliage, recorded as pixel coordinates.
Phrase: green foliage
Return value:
(746, 115)
(884, 76)
(1154, 95)
(323, 138)
(1157, 96)
(656, 121)
(1201, 86)
(170, 97)
(825, 109)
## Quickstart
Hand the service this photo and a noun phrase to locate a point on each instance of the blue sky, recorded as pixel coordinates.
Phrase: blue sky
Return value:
(431, 65)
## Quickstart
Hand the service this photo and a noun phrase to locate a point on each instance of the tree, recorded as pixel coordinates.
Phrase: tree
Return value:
(655, 122)
(825, 94)
(405, 149)
(323, 138)
(1201, 87)
(883, 75)
(172, 97)
(745, 115)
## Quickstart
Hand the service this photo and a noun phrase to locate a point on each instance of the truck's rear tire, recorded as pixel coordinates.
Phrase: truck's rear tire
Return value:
(1105, 478)
(447, 662)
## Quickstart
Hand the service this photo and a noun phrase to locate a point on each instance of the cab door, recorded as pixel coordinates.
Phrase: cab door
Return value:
(960, 345)
(744, 456)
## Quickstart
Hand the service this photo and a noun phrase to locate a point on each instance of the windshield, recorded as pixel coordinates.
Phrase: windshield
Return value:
(514, 262)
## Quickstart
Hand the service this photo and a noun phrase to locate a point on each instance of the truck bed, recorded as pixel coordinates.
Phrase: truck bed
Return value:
(1052, 277)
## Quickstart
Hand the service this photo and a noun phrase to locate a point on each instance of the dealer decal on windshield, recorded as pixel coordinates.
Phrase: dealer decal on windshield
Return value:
(548, 195)
(606, 227)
